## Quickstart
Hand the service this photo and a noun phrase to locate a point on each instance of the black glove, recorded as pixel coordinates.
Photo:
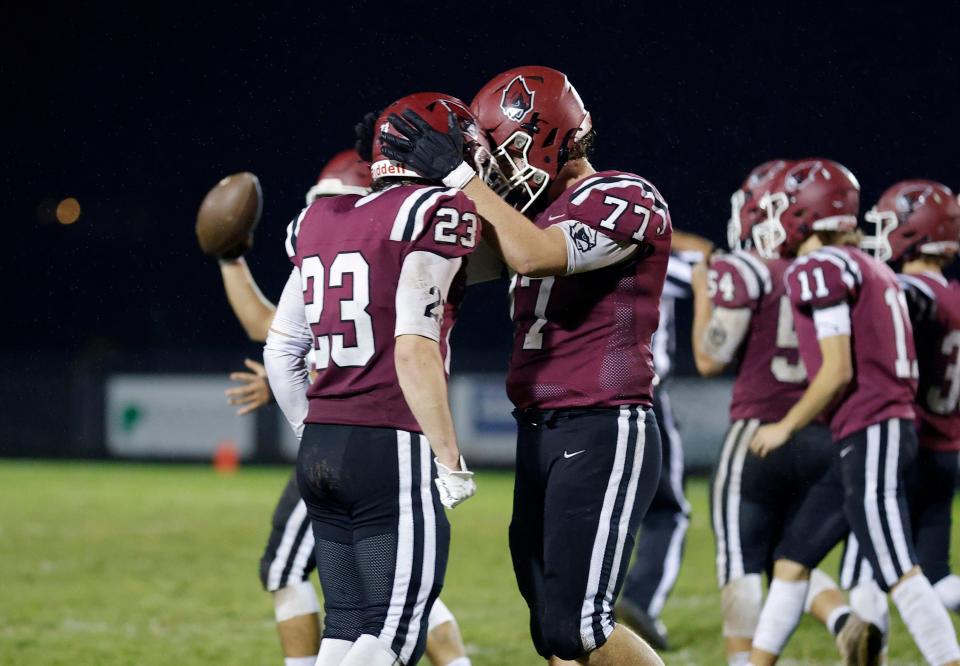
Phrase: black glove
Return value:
(364, 133)
(432, 154)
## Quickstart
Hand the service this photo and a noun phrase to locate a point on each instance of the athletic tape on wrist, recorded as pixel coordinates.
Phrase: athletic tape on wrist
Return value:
(460, 176)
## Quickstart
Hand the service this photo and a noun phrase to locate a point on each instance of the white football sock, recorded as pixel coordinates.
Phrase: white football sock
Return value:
(369, 651)
(780, 615)
(300, 661)
(460, 661)
(332, 651)
(738, 659)
(927, 620)
(948, 589)
(870, 602)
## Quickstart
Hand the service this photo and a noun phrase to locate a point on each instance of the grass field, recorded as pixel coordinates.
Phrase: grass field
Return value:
(121, 564)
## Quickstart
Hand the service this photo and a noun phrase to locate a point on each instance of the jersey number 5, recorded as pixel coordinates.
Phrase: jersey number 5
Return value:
(352, 310)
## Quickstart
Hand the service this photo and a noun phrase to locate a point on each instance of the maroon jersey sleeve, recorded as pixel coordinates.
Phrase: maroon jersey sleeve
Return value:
(439, 220)
(737, 280)
(823, 278)
(623, 206)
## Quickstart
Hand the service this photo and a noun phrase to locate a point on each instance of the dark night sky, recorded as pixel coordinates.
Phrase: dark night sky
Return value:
(137, 111)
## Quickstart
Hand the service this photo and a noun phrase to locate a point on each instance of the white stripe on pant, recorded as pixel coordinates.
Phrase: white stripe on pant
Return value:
(403, 570)
(726, 500)
(295, 521)
(605, 525)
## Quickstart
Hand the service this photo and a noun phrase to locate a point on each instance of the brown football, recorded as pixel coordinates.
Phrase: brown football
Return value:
(229, 214)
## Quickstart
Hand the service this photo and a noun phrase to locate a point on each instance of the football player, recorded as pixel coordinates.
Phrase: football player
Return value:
(289, 557)
(917, 230)
(743, 315)
(369, 293)
(663, 530)
(856, 342)
(589, 271)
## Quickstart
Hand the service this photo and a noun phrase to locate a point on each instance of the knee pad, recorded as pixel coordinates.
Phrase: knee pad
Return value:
(439, 614)
(948, 589)
(819, 582)
(869, 602)
(295, 600)
(370, 651)
(741, 601)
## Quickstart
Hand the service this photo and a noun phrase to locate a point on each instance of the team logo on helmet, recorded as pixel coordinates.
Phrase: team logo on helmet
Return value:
(912, 198)
(517, 99)
(802, 175)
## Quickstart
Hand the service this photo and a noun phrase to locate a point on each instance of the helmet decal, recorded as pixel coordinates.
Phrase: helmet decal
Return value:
(517, 99)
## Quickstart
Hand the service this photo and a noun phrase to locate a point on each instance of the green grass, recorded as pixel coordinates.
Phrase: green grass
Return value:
(152, 564)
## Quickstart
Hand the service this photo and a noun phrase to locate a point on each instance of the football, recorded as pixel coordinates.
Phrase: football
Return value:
(229, 214)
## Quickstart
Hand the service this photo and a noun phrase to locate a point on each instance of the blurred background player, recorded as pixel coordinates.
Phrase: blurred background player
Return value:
(588, 277)
(392, 260)
(917, 231)
(663, 530)
(289, 556)
(856, 341)
(743, 316)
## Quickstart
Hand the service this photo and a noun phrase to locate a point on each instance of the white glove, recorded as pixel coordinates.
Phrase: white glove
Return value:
(454, 487)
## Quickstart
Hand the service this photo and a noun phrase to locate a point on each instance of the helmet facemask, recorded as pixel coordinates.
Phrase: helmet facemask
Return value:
(737, 200)
(513, 178)
(769, 235)
(878, 244)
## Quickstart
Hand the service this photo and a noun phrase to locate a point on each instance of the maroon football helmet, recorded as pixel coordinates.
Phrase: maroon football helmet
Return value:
(914, 217)
(434, 108)
(810, 195)
(345, 173)
(745, 209)
(533, 116)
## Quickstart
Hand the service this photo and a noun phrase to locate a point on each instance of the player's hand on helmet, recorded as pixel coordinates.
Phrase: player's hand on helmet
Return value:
(433, 154)
(769, 438)
(455, 486)
(253, 392)
(364, 133)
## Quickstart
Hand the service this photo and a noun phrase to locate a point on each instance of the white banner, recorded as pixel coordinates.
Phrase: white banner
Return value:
(182, 416)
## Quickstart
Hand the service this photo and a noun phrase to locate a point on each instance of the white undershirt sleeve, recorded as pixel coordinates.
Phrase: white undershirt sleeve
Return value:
(832, 321)
(288, 342)
(422, 290)
(725, 332)
(588, 249)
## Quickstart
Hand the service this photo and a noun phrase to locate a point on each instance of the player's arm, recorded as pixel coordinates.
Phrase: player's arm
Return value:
(288, 342)
(248, 303)
(525, 248)
(836, 371)
(720, 319)
(422, 289)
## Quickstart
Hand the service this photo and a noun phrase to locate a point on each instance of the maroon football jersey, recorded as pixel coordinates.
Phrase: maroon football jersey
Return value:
(350, 251)
(770, 375)
(884, 361)
(583, 340)
(935, 312)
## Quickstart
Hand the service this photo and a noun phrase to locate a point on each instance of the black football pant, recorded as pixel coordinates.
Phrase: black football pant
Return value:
(381, 533)
(289, 555)
(584, 480)
(932, 483)
(867, 480)
(753, 499)
(663, 530)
